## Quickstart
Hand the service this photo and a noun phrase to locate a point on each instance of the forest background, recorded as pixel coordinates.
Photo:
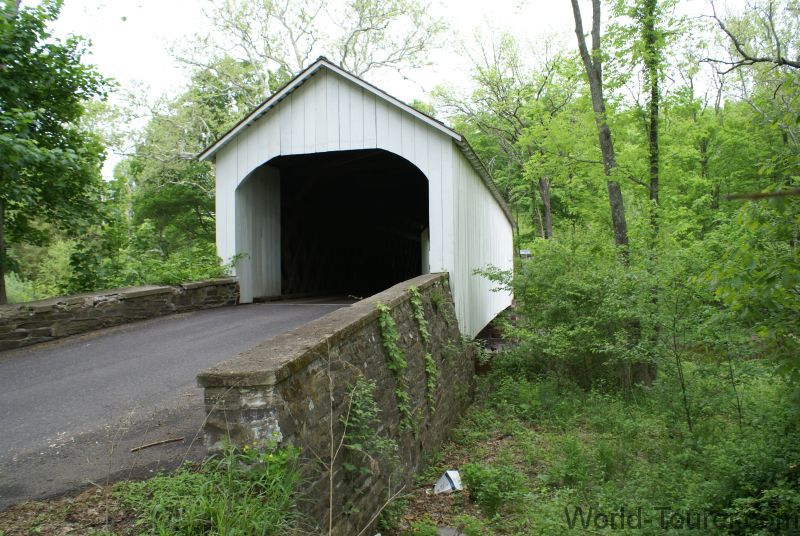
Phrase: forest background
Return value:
(652, 170)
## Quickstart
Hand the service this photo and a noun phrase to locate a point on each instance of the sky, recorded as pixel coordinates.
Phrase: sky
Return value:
(131, 39)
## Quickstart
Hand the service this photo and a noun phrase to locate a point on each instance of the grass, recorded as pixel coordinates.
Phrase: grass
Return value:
(235, 493)
(539, 456)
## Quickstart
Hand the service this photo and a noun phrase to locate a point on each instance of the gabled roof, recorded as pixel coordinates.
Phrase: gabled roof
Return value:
(323, 63)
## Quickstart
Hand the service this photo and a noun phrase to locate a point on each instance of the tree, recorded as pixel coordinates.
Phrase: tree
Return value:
(50, 167)
(764, 44)
(593, 65)
(508, 116)
(158, 222)
(647, 14)
(279, 38)
(767, 35)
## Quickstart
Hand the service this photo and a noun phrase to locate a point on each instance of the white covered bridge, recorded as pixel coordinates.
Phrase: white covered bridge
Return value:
(332, 186)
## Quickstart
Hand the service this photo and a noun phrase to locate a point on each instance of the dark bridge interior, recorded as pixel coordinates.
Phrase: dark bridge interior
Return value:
(351, 222)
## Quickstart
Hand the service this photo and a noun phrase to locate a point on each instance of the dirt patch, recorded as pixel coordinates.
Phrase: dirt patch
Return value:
(91, 511)
(445, 508)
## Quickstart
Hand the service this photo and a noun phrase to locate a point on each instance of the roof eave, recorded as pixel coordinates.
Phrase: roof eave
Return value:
(477, 165)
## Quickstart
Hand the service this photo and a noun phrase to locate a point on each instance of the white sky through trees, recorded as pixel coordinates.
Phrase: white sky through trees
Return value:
(131, 39)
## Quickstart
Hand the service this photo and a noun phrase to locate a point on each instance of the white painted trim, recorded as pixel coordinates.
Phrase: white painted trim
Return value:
(298, 81)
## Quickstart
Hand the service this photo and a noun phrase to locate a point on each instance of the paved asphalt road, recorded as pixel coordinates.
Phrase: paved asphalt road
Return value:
(71, 410)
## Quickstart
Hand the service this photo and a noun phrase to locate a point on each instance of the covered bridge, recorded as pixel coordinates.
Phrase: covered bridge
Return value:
(332, 186)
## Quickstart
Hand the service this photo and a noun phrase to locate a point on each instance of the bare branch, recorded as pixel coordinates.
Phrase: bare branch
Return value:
(748, 58)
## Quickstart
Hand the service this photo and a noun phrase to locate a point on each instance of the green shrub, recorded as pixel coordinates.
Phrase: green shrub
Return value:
(18, 291)
(424, 527)
(392, 515)
(573, 467)
(493, 486)
(364, 446)
(470, 526)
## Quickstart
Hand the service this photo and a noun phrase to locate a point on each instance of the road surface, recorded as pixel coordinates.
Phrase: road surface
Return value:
(71, 410)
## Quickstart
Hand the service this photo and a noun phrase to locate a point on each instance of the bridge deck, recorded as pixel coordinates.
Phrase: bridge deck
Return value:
(71, 410)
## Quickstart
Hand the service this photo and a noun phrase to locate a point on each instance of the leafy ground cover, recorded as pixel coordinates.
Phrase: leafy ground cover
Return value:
(235, 493)
(541, 456)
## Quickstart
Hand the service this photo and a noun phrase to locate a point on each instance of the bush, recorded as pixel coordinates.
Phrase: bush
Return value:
(580, 313)
(493, 486)
(424, 527)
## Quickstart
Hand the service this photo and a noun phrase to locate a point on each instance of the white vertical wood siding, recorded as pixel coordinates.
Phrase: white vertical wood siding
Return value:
(482, 237)
(330, 113)
(258, 234)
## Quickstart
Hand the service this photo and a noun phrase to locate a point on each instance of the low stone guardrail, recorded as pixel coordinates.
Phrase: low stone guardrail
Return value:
(300, 388)
(23, 324)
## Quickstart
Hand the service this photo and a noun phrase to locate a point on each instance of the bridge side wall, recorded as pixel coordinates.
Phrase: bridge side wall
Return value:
(29, 323)
(296, 388)
(482, 238)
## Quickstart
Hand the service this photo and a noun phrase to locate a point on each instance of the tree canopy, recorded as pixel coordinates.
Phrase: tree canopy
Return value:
(652, 165)
(50, 165)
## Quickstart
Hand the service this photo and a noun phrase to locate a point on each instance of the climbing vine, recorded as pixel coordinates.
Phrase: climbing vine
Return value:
(360, 438)
(431, 371)
(438, 303)
(397, 363)
(419, 314)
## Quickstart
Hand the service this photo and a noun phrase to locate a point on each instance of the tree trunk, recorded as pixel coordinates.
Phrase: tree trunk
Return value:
(592, 64)
(702, 147)
(12, 9)
(653, 150)
(544, 193)
(3, 298)
(652, 64)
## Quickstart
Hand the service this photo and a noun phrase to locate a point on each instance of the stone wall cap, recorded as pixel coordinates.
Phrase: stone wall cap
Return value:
(87, 297)
(209, 283)
(138, 292)
(274, 360)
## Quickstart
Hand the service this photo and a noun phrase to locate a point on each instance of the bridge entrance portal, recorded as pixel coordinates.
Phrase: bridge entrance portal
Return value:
(351, 223)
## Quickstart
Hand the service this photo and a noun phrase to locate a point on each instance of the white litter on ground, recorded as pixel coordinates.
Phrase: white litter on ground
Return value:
(449, 482)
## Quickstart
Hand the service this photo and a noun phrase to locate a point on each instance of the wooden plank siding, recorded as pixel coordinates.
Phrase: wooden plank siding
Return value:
(467, 227)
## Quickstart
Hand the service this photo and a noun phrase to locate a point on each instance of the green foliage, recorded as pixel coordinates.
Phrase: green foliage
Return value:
(424, 527)
(391, 516)
(237, 492)
(493, 486)
(50, 165)
(19, 291)
(450, 349)
(361, 424)
(537, 446)
(431, 370)
(580, 316)
(431, 380)
(396, 361)
(437, 300)
(418, 312)
(471, 526)
(758, 277)
(46, 269)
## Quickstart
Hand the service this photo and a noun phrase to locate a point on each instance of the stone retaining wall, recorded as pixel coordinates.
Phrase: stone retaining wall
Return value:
(22, 324)
(296, 388)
